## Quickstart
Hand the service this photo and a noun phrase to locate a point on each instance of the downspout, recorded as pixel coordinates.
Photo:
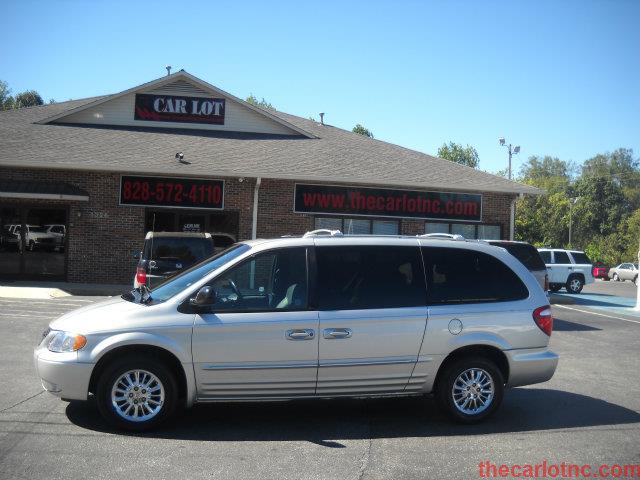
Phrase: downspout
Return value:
(512, 217)
(254, 220)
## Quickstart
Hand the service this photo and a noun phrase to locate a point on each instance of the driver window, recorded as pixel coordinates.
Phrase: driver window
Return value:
(273, 280)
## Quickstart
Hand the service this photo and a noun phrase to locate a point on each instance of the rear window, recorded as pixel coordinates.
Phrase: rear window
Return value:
(527, 254)
(457, 276)
(580, 257)
(365, 277)
(187, 250)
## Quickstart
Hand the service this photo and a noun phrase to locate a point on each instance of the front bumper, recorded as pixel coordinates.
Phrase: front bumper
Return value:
(528, 366)
(62, 375)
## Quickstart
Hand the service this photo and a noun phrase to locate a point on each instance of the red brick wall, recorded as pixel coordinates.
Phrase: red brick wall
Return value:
(102, 236)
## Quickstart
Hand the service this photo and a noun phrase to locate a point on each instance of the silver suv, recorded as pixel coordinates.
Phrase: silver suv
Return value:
(314, 316)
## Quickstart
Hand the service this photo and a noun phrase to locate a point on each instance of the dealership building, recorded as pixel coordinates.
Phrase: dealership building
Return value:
(82, 181)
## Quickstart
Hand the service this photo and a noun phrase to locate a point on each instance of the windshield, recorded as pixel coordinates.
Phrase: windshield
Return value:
(179, 283)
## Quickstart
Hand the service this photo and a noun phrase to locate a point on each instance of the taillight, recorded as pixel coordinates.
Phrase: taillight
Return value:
(544, 320)
(141, 275)
(546, 282)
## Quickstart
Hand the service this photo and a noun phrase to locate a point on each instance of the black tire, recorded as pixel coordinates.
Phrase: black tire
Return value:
(555, 288)
(446, 380)
(616, 278)
(119, 367)
(574, 284)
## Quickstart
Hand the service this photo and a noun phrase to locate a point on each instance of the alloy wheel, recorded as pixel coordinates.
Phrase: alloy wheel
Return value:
(137, 396)
(473, 391)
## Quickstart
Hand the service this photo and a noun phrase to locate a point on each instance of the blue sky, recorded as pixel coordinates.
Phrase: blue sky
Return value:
(557, 77)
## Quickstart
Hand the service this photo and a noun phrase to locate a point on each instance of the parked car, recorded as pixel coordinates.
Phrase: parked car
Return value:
(7, 238)
(166, 253)
(600, 270)
(624, 271)
(222, 241)
(309, 317)
(529, 256)
(58, 232)
(570, 269)
(35, 237)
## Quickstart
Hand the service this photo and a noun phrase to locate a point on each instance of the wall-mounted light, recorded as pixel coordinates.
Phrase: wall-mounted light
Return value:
(180, 158)
(241, 179)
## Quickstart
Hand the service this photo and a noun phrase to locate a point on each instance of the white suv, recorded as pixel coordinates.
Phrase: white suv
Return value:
(570, 269)
(310, 317)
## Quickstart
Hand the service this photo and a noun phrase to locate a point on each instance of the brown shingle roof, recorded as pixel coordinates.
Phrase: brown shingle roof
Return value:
(335, 156)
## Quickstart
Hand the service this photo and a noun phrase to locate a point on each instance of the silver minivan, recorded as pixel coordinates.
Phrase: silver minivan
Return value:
(315, 316)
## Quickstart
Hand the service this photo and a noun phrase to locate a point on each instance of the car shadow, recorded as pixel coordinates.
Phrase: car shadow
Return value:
(566, 326)
(593, 300)
(326, 422)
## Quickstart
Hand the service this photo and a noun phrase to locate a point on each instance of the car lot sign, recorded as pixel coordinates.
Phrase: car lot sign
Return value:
(172, 192)
(171, 108)
(382, 202)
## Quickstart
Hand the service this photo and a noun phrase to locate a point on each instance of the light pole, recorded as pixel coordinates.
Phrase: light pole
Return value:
(637, 307)
(512, 151)
(572, 201)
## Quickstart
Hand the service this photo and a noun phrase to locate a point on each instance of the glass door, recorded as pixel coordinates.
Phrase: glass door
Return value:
(44, 236)
(10, 241)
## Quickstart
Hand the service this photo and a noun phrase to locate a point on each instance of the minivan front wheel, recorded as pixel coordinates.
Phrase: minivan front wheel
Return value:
(470, 389)
(136, 394)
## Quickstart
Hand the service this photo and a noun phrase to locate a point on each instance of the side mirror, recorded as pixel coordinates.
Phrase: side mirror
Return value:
(136, 255)
(206, 297)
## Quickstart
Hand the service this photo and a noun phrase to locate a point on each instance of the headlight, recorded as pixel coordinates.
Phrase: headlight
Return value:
(66, 342)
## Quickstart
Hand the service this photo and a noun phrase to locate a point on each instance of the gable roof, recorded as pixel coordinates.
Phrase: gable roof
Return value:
(180, 76)
(28, 138)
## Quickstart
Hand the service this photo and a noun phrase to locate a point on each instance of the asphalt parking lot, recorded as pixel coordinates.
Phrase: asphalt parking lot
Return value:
(589, 413)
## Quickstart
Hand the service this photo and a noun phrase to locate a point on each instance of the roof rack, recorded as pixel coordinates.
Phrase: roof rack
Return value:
(449, 236)
(325, 232)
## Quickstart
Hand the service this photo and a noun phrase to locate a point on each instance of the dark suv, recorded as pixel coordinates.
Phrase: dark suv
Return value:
(528, 256)
(166, 253)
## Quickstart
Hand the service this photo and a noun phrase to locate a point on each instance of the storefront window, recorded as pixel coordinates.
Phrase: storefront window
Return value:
(467, 230)
(436, 228)
(489, 232)
(358, 226)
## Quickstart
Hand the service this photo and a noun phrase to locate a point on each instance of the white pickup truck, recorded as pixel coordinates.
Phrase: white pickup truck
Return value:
(570, 269)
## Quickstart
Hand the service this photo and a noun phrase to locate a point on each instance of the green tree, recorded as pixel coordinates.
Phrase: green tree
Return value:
(457, 153)
(361, 130)
(259, 103)
(6, 100)
(544, 219)
(601, 200)
(30, 98)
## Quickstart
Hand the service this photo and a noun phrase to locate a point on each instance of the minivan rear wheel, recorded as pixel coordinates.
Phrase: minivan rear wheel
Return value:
(136, 393)
(470, 389)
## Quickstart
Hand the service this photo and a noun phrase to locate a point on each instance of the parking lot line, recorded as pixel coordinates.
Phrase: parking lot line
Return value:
(595, 313)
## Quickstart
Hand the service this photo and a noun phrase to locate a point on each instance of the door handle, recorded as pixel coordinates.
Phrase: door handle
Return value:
(303, 334)
(336, 333)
